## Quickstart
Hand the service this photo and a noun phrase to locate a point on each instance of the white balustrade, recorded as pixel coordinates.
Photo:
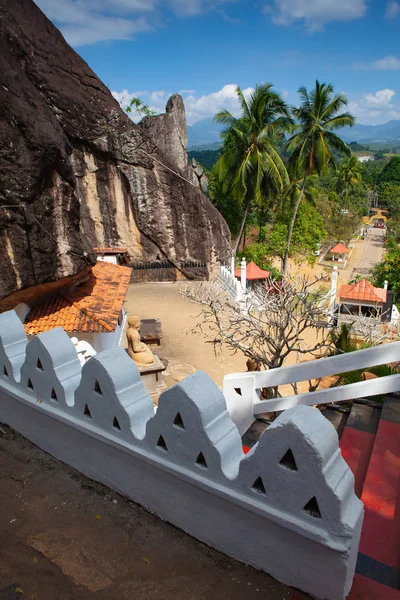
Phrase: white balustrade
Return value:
(242, 407)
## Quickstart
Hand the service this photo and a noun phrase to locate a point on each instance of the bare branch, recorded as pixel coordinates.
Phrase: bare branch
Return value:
(269, 326)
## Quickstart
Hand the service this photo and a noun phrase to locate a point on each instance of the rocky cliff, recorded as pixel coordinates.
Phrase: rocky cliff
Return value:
(76, 173)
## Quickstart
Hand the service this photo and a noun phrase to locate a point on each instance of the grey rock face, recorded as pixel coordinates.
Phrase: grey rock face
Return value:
(76, 173)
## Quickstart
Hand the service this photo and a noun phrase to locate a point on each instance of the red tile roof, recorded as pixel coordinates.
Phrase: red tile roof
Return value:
(92, 307)
(339, 249)
(253, 272)
(362, 290)
(110, 250)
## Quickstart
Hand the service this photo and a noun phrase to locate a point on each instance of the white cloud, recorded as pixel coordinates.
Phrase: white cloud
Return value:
(392, 9)
(189, 8)
(89, 21)
(197, 107)
(375, 108)
(314, 13)
(380, 98)
(388, 63)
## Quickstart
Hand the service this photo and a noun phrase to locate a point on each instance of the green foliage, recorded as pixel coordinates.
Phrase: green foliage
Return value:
(348, 177)
(371, 171)
(313, 145)
(389, 196)
(389, 269)
(231, 211)
(308, 233)
(355, 147)
(258, 253)
(249, 168)
(391, 171)
(138, 107)
(207, 158)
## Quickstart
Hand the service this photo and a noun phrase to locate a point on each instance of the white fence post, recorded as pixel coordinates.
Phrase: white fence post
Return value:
(243, 279)
(332, 299)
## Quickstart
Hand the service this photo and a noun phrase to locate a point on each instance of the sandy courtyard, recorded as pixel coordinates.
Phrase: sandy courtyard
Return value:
(164, 301)
(186, 352)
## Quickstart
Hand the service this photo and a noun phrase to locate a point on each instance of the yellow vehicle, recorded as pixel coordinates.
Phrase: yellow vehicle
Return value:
(376, 217)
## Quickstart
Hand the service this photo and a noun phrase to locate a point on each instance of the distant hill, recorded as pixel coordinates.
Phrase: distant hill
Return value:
(205, 133)
(206, 147)
(365, 134)
(207, 158)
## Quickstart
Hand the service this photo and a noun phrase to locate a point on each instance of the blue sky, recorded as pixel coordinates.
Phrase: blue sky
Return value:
(204, 48)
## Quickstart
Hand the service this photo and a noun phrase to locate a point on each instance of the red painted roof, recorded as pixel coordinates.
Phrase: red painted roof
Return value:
(362, 290)
(339, 249)
(93, 306)
(253, 272)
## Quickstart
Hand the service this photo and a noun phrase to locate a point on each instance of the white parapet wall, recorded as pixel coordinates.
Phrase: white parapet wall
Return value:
(287, 507)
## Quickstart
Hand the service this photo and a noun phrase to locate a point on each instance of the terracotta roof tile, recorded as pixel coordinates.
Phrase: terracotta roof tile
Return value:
(94, 306)
(253, 272)
(339, 249)
(362, 290)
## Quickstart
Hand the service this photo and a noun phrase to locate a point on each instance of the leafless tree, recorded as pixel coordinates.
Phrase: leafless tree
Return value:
(372, 331)
(270, 325)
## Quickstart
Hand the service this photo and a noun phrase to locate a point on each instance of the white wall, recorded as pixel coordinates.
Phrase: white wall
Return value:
(111, 258)
(185, 463)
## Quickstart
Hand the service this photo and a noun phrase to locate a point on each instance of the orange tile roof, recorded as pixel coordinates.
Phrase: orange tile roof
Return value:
(339, 249)
(110, 250)
(93, 307)
(253, 272)
(362, 290)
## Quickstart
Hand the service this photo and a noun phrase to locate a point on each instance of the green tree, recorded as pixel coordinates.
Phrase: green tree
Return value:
(348, 176)
(391, 171)
(389, 269)
(311, 147)
(308, 232)
(250, 167)
(138, 107)
(389, 195)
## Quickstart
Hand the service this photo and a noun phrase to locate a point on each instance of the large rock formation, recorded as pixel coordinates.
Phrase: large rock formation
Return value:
(76, 173)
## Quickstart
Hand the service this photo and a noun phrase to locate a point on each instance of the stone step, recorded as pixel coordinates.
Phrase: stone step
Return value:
(357, 441)
(379, 556)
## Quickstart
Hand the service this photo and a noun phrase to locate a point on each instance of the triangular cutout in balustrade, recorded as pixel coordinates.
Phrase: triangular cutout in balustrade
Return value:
(86, 412)
(161, 443)
(97, 388)
(201, 461)
(312, 508)
(288, 461)
(30, 385)
(39, 364)
(258, 486)
(116, 424)
(178, 421)
(5, 372)
(54, 395)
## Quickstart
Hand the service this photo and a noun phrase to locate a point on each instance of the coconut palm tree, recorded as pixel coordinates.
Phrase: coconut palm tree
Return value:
(348, 176)
(250, 167)
(311, 147)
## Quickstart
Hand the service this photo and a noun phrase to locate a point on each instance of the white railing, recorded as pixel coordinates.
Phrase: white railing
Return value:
(245, 405)
(230, 284)
(185, 462)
